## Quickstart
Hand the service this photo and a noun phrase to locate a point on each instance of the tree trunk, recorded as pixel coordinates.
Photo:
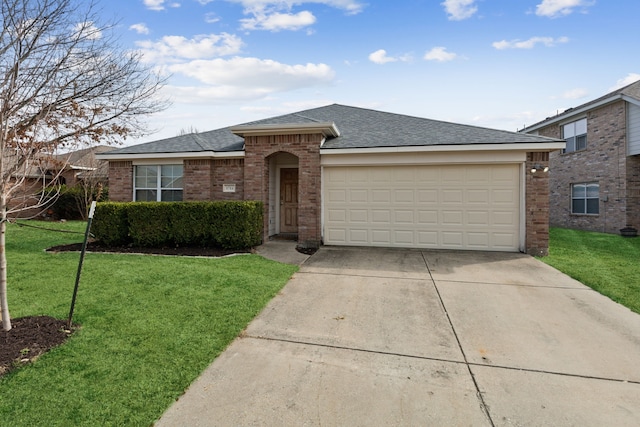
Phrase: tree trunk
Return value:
(4, 305)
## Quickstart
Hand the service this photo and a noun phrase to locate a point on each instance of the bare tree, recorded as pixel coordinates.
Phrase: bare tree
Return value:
(65, 82)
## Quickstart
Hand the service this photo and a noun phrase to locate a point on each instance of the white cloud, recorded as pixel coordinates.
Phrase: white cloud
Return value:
(530, 43)
(211, 18)
(556, 8)
(276, 15)
(350, 6)
(459, 10)
(380, 57)
(625, 81)
(278, 21)
(174, 48)
(88, 30)
(158, 4)
(245, 78)
(140, 28)
(254, 72)
(440, 54)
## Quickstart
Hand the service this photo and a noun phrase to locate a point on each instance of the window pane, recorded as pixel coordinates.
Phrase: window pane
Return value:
(172, 176)
(571, 145)
(578, 206)
(593, 206)
(146, 195)
(578, 191)
(146, 176)
(581, 142)
(171, 195)
(569, 130)
(593, 190)
(581, 127)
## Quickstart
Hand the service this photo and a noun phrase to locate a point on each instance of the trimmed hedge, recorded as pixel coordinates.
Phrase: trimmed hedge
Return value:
(227, 224)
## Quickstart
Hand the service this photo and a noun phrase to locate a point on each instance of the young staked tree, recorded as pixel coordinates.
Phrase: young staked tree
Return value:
(65, 83)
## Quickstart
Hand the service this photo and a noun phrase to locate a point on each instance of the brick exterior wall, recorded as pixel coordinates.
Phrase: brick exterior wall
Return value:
(604, 161)
(197, 181)
(120, 181)
(537, 206)
(306, 147)
(228, 171)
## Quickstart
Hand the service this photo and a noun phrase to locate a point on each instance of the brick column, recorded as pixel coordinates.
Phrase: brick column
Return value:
(537, 205)
(120, 181)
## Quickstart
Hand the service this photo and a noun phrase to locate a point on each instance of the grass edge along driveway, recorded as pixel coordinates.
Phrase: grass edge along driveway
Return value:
(149, 326)
(607, 263)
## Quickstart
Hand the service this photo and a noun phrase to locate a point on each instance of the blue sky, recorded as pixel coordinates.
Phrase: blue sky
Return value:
(495, 63)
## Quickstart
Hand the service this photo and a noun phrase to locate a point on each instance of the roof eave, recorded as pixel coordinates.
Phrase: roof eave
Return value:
(327, 129)
(179, 155)
(573, 112)
(528, 147)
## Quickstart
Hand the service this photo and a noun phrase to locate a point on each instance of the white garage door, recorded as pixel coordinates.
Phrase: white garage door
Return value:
(453, 207)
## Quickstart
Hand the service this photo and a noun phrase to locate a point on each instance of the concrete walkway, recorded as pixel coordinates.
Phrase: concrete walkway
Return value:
(373, 337)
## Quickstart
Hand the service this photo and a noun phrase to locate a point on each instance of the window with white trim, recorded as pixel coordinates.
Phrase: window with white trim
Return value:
(158, 183)
(575, 133)
(585, 198)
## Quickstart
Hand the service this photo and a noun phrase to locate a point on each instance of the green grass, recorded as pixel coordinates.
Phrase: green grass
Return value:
(149, 326)
(608, 263)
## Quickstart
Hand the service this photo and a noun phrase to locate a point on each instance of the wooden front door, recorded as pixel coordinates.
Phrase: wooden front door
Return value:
(288, 200)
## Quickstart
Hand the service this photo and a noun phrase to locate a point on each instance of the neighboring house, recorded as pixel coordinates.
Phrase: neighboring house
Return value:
(82, 165)
(340, 175)
(595, 181)
(69, 168)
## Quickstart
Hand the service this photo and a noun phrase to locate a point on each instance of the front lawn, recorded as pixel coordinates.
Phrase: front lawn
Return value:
(149, 326)
(608, 263)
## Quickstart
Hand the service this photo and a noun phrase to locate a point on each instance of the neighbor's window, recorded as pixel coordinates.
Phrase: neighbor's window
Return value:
(576, 135)
(585, 198)
(158, 183)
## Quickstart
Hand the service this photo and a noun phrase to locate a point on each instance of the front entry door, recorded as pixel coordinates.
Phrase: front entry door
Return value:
(289, 200)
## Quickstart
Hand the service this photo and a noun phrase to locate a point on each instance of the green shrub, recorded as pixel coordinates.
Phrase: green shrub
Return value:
(149, 223)
(110, 224)
(228, 224)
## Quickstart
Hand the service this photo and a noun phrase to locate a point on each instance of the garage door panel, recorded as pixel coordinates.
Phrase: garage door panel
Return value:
(381, 237)
(427, 217)
(381, 216)
(358, 196)
(403, 196)
(478, 196)
(358, 236)
(452, 196)
(337, 215)
(478, 218)
(404, 217)
(427, 196)
(358, 215)
(454, 207)
(478, 240)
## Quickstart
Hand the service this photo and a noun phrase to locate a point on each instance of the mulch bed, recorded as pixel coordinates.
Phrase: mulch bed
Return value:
(28, 338)
(175, 251)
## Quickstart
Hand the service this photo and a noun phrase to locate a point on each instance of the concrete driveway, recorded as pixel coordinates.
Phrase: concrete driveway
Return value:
(365, 336)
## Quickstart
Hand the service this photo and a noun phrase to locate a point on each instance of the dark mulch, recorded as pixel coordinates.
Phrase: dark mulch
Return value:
(178, 251)
(28, 338)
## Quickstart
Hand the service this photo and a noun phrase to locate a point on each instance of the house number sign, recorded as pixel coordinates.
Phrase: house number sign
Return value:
(228, 188)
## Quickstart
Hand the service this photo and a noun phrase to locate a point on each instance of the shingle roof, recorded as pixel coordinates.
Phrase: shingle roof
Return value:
(359, 128)
(631, 91)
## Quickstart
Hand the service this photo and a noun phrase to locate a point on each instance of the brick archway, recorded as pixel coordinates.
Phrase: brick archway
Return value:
(259, 152)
